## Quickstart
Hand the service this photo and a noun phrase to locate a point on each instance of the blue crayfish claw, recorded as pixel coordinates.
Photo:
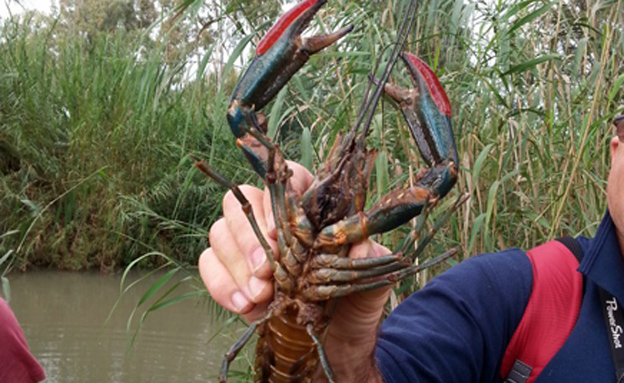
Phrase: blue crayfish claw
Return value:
(280, 54)
(427, 111)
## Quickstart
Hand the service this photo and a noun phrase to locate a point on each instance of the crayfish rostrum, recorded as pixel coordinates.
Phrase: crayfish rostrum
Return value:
(316, 229)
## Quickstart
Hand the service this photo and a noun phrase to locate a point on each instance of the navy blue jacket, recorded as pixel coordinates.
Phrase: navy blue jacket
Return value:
(456, 329)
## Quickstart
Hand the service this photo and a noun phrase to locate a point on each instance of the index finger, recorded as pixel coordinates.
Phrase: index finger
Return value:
(247, 241)
(299, 182)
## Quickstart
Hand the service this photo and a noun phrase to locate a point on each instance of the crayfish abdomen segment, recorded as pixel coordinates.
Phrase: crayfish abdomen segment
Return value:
(286, 352)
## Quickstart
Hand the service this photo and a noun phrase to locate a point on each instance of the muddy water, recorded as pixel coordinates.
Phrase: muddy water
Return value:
(63, 316)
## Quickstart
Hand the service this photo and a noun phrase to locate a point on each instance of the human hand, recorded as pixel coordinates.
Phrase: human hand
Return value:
(239, 278)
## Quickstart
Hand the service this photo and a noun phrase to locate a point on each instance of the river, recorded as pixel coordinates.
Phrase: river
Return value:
(63, 316)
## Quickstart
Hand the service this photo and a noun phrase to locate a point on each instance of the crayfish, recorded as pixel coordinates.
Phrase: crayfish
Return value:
(316, 229)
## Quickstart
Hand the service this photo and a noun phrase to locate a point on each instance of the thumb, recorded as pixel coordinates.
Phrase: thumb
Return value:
(357, 316)
(368, 249)
(374, 299)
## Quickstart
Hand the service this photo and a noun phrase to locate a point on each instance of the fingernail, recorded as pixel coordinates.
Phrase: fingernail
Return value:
(256, 286)
(239, 301)
(258, 257)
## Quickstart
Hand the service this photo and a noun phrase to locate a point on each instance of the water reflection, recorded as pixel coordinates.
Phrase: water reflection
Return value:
(63, 313)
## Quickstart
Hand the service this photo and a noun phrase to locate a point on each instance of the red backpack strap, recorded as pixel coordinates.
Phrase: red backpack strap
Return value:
(550, 315)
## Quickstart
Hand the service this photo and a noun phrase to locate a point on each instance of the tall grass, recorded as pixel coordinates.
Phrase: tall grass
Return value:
(94, 136)
(94, 144)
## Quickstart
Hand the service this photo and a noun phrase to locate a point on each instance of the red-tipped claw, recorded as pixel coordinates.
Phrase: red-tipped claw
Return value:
(427, 111)
(280, 54)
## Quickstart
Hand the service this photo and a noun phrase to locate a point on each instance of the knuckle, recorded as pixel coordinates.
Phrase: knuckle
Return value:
(255, 313)
(249, 190)
(379, 250)
(217, 230)
(211, 280)
(204, 256)
(228, 200)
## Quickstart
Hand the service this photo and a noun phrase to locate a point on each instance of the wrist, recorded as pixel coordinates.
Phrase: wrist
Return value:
(354, 361)
(368, 372)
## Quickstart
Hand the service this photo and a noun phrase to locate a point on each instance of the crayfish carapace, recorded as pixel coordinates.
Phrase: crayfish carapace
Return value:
(316, 229)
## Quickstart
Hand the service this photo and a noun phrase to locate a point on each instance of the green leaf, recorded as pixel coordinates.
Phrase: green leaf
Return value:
(579, 55)
(156, 286)
(275, 117)
(490, 202)
(531, 64)
(496, 92)
(515, 9)
(5, 256)
(530, 17)
(32, 205)
(9, 233)
(306, 149)
(6, 289)
(476, 228)
(298, 84)
(476, 171)
(616, 88)
(493, 192)
(539, 219)
(201, 69)
(236, 53)
(177, 299)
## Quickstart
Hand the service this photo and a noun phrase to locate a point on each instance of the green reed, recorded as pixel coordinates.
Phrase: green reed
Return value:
(95, 134)
(94, 144)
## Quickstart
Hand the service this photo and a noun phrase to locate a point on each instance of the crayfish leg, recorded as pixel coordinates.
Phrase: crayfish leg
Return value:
(231, 354)
(321, 354)
(341, 263)
(325, 292)
(329, 275)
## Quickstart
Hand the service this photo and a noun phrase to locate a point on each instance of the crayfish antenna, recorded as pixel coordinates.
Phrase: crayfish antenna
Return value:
(369, 104)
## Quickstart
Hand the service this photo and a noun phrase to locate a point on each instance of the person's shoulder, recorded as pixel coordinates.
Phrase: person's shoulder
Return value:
(505, 277)
(512, 255)
(511, 262)
(586, 243)
(462, 318)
